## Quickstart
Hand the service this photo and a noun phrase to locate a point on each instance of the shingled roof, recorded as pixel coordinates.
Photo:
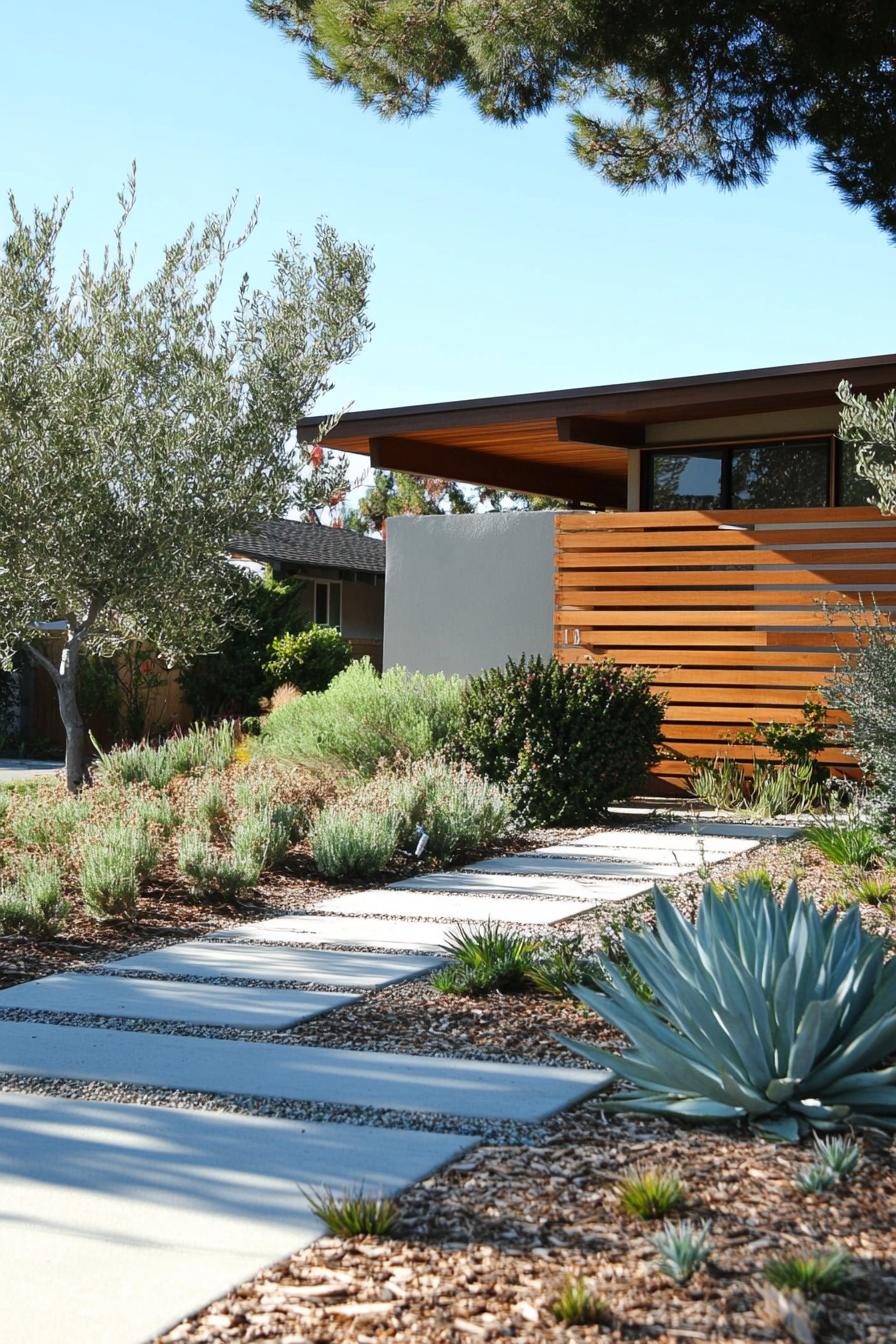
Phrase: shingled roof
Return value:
(298, 543)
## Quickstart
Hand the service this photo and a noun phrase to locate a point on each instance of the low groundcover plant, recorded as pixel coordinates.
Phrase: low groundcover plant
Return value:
(774, 1014)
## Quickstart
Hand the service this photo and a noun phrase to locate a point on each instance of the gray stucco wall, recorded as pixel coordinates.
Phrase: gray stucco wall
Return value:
(465, 593)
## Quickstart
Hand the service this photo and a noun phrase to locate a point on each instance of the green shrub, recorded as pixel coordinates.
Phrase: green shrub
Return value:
(566, 740)
(212, 872)
(559, 963)
(810, 1275)
(159, 812)
(683, 1246)
(459, 812)
(263, 837)
(33, 905)
(346, 842)
(113, 862)
(578, 1304)
(865, 686)
(852, 844)
(210, 808)
(651, 1192)
(771, 1013)
(231, 681)
(310, 659)
(363, 720)
(355, 1214)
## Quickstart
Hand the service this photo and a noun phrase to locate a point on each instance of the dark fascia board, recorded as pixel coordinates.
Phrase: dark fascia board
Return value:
(579, 400)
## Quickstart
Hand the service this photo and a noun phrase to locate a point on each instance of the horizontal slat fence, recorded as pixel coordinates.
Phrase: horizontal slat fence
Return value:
(736, 610)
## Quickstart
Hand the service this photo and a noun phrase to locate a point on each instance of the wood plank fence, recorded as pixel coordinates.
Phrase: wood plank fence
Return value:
(736, 609)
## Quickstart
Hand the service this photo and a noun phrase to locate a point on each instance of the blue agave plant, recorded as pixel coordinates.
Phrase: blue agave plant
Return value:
(776, 1014)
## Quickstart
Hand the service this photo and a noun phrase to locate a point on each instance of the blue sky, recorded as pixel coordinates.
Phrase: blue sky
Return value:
(502, 266)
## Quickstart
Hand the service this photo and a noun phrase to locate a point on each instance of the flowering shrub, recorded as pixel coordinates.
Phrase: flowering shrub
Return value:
(565, 740)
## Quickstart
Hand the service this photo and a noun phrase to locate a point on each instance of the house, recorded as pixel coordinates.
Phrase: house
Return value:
(709, 520)
(345, 575)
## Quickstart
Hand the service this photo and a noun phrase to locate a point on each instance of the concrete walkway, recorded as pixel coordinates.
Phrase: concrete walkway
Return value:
(145, 1213)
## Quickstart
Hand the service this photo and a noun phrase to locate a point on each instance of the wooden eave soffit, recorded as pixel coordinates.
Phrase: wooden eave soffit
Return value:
(424, 458)
(600, 433)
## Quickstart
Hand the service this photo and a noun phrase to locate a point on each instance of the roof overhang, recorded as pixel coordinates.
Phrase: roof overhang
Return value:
(574, 443)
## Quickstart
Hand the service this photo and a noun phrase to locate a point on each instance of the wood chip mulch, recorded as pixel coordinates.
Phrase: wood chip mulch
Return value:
(485, 1245)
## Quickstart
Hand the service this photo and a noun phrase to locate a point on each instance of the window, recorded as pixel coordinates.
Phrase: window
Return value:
(776, 475)
(328, 603)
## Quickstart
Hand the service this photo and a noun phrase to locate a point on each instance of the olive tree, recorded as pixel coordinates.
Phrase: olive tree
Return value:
(140, 429)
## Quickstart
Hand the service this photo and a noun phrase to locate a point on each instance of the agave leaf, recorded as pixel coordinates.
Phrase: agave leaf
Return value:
(784, 1128)
(781, 1089)
(814, 1026)
(858, 1082)
(691, 1108)
(876, 1042)
(867, 1097)
(738, 1095)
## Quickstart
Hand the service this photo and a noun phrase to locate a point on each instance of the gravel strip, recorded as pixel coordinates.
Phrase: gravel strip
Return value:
(489, 1130)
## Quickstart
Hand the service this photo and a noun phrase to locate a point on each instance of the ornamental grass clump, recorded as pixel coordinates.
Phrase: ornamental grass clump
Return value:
(651, 1192)
(33, 905)
(853, 844)
(355, 1214)
(487, 958)
(578, 1304)
(810, 1275)
(777, 1015)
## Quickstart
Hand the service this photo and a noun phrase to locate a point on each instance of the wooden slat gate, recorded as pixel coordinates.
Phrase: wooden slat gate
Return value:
(733, 608)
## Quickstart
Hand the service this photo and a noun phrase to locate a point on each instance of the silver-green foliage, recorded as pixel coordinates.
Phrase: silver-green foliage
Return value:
(682, 1247)
(776, 1014)
(458, 811)
(347, 842)
(836, 1159)
(202, 748)
(114, 863)
(363, 719)
(33, 904)
(141, 426)
(210, 871)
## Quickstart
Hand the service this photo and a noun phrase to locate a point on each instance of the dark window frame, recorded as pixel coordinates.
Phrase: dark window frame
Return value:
(728, 447)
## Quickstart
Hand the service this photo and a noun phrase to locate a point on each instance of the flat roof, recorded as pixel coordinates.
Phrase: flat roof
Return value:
(572, 442)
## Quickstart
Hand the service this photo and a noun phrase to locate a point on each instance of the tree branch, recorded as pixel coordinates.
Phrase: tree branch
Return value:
(43, 661)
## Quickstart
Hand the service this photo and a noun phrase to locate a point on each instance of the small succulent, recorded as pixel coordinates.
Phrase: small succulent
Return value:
(836, 1159)
(682, 1247)
(810, 1275)
(650, 1192)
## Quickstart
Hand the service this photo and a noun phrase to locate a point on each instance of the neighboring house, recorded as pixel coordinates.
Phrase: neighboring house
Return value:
(709, 520)
(345, 575)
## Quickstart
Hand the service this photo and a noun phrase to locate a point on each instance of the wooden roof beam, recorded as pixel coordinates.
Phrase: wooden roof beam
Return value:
(602, 433)
(425, 458)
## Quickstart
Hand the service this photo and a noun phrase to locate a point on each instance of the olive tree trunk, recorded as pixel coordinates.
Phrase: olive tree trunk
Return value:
(65, 679)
